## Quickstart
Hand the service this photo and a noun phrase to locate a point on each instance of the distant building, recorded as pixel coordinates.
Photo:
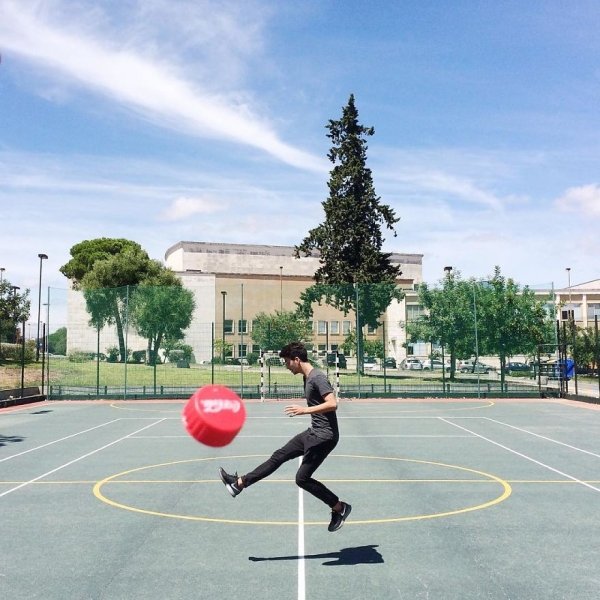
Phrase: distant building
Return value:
(230, 278)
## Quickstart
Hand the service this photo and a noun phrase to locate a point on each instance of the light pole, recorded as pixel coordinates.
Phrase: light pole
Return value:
(280, 289)
(224, 294)
(42, 257)
(448, 271)
(2, 269)
(14, 289)
(568, 270)
(476, 365)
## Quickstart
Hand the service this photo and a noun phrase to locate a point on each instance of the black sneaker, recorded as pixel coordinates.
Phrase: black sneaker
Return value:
(231, 482)
(338, 518)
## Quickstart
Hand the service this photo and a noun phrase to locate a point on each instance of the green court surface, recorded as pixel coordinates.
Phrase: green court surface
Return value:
(451, 500)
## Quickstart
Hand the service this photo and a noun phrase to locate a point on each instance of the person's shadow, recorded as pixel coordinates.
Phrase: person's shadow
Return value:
(9, 439)
(359, 555)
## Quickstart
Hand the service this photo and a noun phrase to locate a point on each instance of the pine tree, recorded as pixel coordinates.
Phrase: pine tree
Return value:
(354, 273)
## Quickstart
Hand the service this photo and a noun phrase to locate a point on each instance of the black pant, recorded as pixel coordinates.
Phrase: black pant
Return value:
(315, 451)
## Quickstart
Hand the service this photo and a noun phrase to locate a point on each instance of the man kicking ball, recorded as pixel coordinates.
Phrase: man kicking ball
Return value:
(314, 444)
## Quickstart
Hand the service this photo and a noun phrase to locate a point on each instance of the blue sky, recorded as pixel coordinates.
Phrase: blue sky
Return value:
(169, 120)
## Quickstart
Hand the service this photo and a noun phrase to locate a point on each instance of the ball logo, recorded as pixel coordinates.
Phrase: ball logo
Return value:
(216, 406)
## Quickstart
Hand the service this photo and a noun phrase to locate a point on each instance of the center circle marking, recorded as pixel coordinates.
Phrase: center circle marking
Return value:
(506, 492)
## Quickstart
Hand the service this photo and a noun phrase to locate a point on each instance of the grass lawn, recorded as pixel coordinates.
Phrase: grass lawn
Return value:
(89, 373)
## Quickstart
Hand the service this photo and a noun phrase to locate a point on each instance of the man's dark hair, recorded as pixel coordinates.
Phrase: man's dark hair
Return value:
(294, 350)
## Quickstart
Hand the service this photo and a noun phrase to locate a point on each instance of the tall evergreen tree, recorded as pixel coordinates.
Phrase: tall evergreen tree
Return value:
(354, 273)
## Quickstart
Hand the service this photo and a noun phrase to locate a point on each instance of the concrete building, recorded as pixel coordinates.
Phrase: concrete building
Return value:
(235, 282)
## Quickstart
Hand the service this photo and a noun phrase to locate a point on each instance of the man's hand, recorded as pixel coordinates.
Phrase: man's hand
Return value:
(294, 410)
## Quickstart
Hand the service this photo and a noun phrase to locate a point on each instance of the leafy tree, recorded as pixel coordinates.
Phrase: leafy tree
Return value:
(223, 348)
(273, 331)
(104, 269)
(14, 309)
(511, 320)
(57, 341)
(354, 274)
(161, 309)
(448, 319)
(370, 347)
(584, 347)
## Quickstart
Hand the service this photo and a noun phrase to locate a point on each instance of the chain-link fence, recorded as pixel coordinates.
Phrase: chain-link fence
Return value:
(147, 342)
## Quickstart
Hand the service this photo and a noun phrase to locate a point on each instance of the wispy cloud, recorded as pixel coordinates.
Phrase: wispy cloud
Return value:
(145, 83)
(183, 208)
(583, 200)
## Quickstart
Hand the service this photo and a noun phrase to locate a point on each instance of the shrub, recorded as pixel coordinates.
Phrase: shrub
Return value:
(79, 356)
(138, 357)
(252, 358)
(112, 354)
(13, 351)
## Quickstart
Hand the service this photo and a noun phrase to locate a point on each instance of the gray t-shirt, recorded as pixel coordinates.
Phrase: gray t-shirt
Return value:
(316, 386)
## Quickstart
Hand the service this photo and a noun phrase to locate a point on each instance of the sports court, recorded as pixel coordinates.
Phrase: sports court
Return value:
(452, 499)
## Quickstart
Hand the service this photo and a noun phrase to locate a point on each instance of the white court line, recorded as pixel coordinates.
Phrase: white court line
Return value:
(59, 440)
(301, 559)
(533, 460)
(76, 460)
(543, 437)
(392, 435)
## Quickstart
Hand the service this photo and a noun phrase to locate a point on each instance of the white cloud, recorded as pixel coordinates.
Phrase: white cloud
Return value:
(142, 81)
(584, 200)
(183, 208)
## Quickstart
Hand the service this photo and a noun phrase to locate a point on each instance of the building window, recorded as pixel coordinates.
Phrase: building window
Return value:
(334, 327)
(242, 349)
(243, 326)
(371, 330)
(255, 348)
(593, 310)
(322, 349)
(571, 311)
(322, 327)
(228, 326)
(346, 327)
(413, 312)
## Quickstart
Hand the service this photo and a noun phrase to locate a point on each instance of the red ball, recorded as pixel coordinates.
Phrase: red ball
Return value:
(214, 415)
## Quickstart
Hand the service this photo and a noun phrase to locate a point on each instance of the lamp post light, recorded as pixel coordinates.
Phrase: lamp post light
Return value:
(2, 269)
(224, 294)
(42, 257)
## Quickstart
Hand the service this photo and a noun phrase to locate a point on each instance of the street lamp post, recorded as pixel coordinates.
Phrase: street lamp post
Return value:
(14, 289)
(42, 257)
(2, 269)
(281, 289)
(476, 366)
(224, 294)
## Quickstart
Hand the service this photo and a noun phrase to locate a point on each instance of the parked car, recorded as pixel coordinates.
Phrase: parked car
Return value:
(411, 364)
(389, 362)
(341, 360)
(475, 368)
(370, 363)
(516, 367)
(429, 365)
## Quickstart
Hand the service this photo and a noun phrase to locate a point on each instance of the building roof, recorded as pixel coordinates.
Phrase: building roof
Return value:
(268, 250)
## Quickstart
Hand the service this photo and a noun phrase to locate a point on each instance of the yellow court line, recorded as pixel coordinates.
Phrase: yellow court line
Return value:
(506, 492)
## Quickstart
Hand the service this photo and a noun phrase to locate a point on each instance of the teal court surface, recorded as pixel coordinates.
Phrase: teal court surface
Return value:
(451, 500)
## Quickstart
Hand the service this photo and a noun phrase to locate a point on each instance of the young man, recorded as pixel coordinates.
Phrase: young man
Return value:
(314, 444)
